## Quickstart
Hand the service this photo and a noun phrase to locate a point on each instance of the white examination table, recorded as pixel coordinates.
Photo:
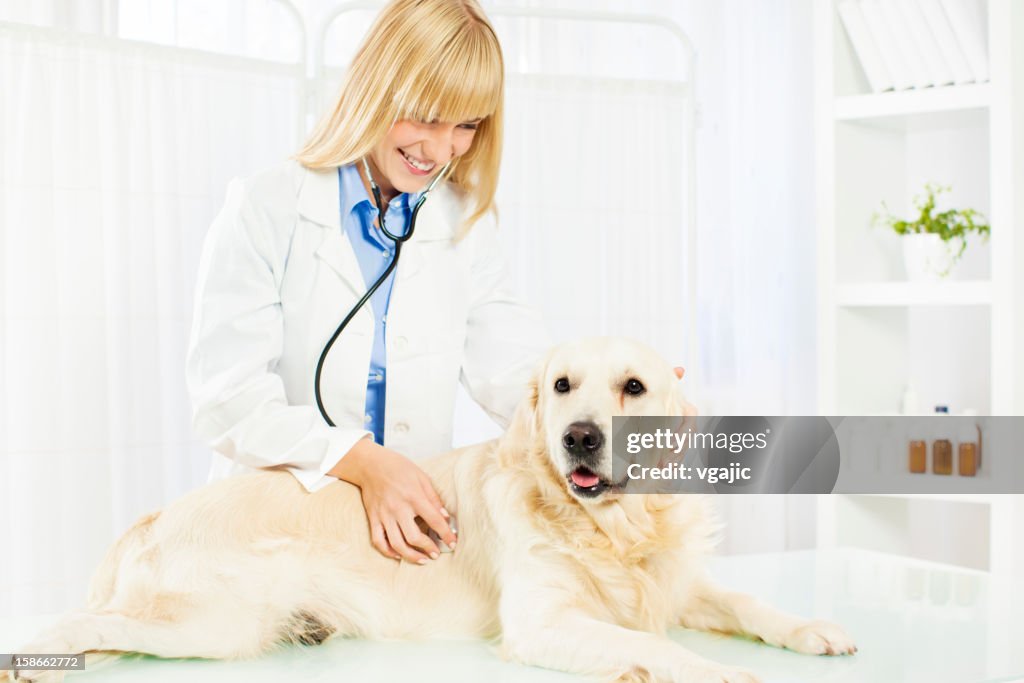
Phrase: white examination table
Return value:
(912, 621)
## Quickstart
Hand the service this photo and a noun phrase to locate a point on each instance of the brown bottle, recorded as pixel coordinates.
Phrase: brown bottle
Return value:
(942, 456)
(969, 448)
(942, 448)
(918, 456)
(968, 459)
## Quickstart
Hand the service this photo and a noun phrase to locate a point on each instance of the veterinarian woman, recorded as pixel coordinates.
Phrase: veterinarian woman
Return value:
(294, 249)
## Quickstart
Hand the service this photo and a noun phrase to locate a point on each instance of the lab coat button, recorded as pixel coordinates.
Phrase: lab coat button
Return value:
(367, 419)
(401, 427)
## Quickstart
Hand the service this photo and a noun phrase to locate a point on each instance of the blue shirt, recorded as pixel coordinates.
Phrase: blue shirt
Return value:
(374, 251)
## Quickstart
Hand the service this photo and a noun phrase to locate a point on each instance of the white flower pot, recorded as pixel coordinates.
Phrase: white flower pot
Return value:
(927, 258)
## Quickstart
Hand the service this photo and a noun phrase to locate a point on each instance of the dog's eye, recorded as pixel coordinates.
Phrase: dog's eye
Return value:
(562, 385)
(634, 387)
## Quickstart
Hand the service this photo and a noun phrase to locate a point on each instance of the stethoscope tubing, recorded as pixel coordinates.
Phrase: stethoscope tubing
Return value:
(399, 240)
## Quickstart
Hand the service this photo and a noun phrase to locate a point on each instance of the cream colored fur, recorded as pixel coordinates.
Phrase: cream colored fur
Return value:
(583, 585)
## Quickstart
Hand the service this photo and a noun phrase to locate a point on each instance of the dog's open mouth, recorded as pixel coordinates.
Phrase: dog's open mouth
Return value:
(587, 484)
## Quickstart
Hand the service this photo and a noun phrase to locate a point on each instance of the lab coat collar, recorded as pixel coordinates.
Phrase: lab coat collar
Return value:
(318, 197)
(319, 202)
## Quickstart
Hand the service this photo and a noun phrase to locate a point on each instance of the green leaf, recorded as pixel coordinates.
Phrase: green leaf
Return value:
(952, 224)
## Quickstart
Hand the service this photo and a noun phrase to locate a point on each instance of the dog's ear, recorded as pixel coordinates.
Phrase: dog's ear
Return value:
(523, 428)
(677, 406)
(677, 403)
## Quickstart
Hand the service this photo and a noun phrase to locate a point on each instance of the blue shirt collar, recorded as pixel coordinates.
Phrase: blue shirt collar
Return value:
(353, 192)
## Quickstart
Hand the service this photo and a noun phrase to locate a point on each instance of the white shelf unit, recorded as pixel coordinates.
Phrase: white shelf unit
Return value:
(889, 105)
(956, 342)
(876, 294)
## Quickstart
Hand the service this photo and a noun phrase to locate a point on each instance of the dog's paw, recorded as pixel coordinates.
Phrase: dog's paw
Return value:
(820, 638)
(37, 676)
(636, 674)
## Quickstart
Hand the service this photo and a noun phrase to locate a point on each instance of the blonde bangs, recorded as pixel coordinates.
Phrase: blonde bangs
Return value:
(460, 81)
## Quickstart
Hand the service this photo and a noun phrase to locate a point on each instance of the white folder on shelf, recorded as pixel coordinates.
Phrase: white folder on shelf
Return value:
(938, 70)
(905, 43)
(940, 27)
(889, 44)
(968, 19)
(864, 45)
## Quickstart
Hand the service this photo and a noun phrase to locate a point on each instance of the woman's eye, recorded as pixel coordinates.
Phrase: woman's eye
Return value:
(469, 126)
(562, 385)
(634, 387)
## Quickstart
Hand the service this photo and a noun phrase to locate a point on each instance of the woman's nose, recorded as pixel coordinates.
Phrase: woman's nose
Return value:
(440, 144)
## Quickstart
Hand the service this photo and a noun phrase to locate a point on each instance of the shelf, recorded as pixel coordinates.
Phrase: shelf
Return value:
(912, 102)
(975, 498)
(955, 293)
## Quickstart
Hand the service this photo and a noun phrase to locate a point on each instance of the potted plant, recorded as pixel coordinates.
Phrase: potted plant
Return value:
(934, 241)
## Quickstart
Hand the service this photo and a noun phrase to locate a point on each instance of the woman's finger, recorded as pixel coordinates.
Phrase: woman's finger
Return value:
(431, 514)
(416, 538)
(397, 541)
(428, 490)
(380, 540)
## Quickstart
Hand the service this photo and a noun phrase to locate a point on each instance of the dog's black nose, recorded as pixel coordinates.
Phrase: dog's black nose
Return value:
(582, 438)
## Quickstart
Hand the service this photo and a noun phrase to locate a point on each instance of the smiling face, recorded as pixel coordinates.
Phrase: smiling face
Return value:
(412, 153)
(581, 387)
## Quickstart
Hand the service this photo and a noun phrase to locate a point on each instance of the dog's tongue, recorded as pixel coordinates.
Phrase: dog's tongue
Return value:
(584, 479)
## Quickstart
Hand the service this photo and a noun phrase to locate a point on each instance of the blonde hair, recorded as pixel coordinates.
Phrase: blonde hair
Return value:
(423, 60)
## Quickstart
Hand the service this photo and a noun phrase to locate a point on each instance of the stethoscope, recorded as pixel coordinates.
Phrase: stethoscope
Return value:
(398, 240)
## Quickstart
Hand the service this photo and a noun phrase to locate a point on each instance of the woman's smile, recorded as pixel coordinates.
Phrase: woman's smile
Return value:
(416, 166)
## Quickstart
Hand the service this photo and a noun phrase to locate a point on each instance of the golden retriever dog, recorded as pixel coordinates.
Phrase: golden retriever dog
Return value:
(553, 557)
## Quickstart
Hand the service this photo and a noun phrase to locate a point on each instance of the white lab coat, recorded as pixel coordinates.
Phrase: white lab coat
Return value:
(277, 276)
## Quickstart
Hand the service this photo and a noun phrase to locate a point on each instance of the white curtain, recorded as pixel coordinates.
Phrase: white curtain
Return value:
(86, 16)
(757, 239)
(115, 157)
(593, 206)
(757, 286)
(755, 185)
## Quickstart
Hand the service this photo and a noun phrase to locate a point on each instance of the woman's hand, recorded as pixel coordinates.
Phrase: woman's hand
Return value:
(395, 491)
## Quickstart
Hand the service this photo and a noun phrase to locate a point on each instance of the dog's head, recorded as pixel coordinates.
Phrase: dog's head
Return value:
(573, 396)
